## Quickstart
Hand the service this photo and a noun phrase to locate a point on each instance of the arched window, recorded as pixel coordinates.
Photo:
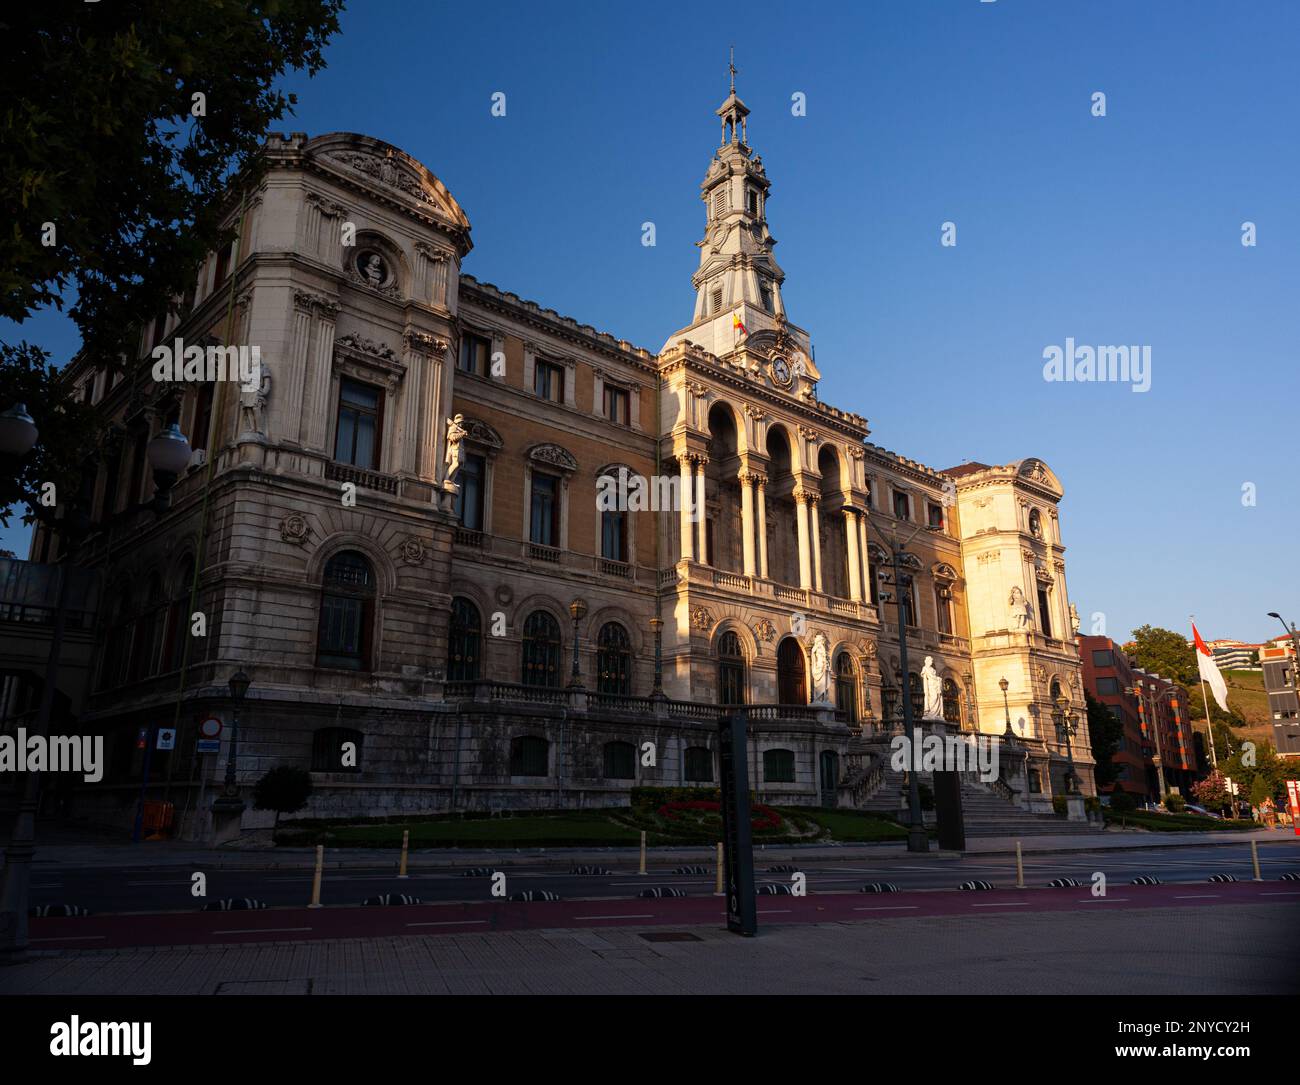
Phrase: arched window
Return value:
(613, 660)
(149, 631)
(178, 622)
(951, 702)
(889, 710)
(778, 766)
(464, 641)
(1035, 524)
(791, 680)
(918, 696)
(699, 765)
(846, 687)
(541, 663)
(117, 651)
(1056, 690)
(731, 672)
(346, 612)
(620, 761)
(529, 756)
(336, 749)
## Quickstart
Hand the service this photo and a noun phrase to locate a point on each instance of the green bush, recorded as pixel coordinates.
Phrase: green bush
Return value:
(284, 789)
(1175, 803)
(1122, 802)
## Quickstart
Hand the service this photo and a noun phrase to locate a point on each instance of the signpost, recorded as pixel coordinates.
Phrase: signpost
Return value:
(166, 738)
(737, 848)
(209, 741)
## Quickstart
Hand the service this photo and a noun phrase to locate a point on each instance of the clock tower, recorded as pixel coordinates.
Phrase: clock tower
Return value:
(738, 283)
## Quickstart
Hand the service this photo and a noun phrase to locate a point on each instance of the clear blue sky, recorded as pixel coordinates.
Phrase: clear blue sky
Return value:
(1123, 229)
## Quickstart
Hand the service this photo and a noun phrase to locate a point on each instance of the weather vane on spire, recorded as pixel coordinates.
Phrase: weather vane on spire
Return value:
(731, 67)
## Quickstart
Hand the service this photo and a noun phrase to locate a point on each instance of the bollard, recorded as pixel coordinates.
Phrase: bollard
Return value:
(718, 891)
(315, 882)
(642, 870)
(406, 840)
(1254, 858)
(1020, 868)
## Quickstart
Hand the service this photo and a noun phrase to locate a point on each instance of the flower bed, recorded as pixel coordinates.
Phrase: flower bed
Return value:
(763, 819)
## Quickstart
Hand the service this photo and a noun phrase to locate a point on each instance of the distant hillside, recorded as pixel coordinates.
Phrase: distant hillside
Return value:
(1246, 696)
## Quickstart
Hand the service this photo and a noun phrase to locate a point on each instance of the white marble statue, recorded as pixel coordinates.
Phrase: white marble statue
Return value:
(932, 686)
(1074, 619)
(374, 270)
(456, 433)
(252, 403)
(1019, 606)
(821, 668)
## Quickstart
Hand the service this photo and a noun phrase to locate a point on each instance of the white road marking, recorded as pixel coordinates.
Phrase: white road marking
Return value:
(1196, 896)
(71, 938)
(1091, 900)
(1004, 904)
(448, 923)
(644, 915)
(889, 908)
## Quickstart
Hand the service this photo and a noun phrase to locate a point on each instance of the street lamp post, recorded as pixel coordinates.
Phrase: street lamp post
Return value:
(916, 837)
(1067, 725)
(1137, 691)
(229, 801)
(578, 609)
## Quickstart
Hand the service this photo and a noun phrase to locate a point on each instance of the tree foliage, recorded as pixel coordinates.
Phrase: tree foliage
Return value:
(1166, 653)
(284, 789)
(99, 140)
(1212, 792)
(67, 433)
(1104, 734)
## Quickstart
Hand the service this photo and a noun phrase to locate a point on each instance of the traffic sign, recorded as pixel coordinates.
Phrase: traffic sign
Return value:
(210, 728)
(207, 745)
(166, 738)
(142, 738)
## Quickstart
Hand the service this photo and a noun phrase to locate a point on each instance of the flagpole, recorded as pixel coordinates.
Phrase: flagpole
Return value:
(1209, 723)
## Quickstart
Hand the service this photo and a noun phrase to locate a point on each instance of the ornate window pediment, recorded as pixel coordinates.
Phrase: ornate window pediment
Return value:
(553, 456)
(480, 433)
(943, 571)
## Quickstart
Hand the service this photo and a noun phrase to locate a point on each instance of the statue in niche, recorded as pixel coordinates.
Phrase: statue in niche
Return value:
(372, 269)
(1074, 619)
(1019, 607)
(253, 401)
(821, 668)
(456, 433)
(932, 687)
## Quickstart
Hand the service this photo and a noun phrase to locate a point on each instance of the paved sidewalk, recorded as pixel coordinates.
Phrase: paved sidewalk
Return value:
(178, 853)
(1245, 950)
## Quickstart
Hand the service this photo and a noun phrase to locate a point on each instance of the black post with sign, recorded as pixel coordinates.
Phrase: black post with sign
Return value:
(737, 847)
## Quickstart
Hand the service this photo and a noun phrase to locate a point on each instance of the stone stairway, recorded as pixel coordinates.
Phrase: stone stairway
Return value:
(984, 811)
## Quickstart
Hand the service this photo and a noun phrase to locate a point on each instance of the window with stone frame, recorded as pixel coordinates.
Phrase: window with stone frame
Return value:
(464, 642)
(613, 660)
(778, 766)
(541, 651)
(846, 687)
(544, 513)
(548, 381)
(617, 405)
(359, 424)
(472, 481)
(699, 765)
(529, 756)
(336, 749)
(620, 761)
(475, 355)
(346, 612)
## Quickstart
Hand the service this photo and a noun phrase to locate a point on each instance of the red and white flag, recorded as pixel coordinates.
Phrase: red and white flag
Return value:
(1209, 671)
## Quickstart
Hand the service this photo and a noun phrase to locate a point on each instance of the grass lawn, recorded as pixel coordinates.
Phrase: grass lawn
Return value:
(849, 825)
(1176, 823)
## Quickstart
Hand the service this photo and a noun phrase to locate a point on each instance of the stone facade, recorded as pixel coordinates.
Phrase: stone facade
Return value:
(369, 593)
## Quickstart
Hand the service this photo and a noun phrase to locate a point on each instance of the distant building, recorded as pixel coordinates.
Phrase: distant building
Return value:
(1232, 655)
(1277, 658)
(1108, 676)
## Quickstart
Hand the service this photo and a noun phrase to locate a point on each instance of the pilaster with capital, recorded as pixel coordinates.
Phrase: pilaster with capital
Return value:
(800, 496)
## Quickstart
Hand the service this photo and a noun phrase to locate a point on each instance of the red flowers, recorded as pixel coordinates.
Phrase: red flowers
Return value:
(762, 818)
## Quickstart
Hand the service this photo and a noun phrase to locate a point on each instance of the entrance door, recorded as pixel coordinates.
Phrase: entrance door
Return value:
(830, 777)
(791, 686)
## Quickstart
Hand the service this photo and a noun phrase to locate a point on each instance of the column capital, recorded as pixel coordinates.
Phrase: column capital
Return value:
(747, 478)
(800, 495)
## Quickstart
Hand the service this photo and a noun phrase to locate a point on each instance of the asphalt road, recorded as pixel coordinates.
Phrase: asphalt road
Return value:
(170, 888)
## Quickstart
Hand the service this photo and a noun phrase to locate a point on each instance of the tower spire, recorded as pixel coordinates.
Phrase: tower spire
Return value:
(731, 67)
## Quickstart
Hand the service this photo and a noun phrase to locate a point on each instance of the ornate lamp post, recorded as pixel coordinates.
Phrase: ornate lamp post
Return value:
(578, 609)
(1008, 736)
(657, 627)
(1137, 690)
(229, 801)
(18, 434)
(1067, 725)
(168, 454)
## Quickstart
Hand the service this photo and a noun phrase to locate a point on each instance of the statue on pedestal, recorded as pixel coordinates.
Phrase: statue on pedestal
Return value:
(932, 686)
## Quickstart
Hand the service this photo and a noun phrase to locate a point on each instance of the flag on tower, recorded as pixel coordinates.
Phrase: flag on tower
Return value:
(1209, 670)
(736, 322)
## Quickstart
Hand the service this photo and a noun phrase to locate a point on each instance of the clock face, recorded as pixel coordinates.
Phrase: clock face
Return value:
(781, 370)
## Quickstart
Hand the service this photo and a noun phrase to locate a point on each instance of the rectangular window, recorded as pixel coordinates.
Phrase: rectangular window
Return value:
(475, 355)
(1115, 710)
(544, 520)
(699, 765)
(357, 437)
(548, 381)
(1044, 613)
(716, 300)
(613, 535)
(1106, 686)
(1103, 658)
(943, 607)
(934, 515)
(751, 201)
(469, 502)
(902, 505)
(765, 296)
(223, 265)
(617, 402)
(202, 416)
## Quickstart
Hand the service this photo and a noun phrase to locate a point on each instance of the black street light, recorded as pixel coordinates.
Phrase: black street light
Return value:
(916, 837)
(578, 609)
(168, 454)
(229, 801)
(18, 432)
(1067, 726)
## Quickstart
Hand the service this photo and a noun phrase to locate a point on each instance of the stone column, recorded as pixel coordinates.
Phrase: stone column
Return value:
(688, 529)
(762, 526)
(702, 524)
(801, 521)
(293, 417)
(855, 559)
(864, 557)
(317, 409)
(747, 520)
(813, 501)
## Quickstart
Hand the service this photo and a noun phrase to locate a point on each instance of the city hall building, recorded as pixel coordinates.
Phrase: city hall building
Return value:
(397, 532)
